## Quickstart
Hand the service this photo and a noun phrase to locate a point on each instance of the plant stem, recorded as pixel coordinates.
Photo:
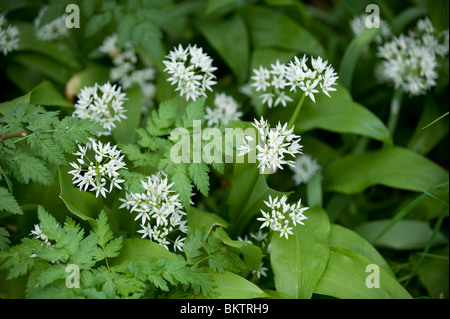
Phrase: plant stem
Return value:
(296, 112)
(12, 135)
(396, 103)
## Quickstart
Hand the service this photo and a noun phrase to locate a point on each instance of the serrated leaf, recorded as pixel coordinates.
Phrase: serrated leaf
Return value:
(163, 118)
(8, 203)
(194, 111)
(199, 174)
(102, 229)
(192, 247)
(32, 168)
(96, 23)
(112, 248)
(179, 176)
(43, 145)
(4, 239)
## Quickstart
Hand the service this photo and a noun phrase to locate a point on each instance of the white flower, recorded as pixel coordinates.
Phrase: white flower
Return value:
(102, 104)
(304, 169)
(54, 30)
(281, 215)
(159, 209)
(261, 272)
(98, 171)
(38, 234)
(130, 70)
(358, 25)
(190, 70)
(226, 109)
(294, 75)
(273, 145)
(109, 45)
(409, 62)
(9, 36)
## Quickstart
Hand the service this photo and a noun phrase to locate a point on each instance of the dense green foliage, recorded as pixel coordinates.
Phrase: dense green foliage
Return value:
(380, 196)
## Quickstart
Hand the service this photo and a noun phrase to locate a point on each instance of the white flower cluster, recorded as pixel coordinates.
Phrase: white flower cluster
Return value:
(102, 104)
(96, 172)
(358, 24)
(410, 62)
(281, 215)
(191, 70)
(304, 169)
(273, 145)
(294, 75)
(226, 109)
(127, 69)
(54, 30)
(159, 209)
(9, 36)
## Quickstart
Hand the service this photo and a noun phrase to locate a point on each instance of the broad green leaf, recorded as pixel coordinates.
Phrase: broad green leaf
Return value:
(282, 32)
(81, 203)
(394, 167)
(406, 17)
(438, 12)
(232, 286)
(96, 23)
(46, 66)
(42, 94)
(230, 39)
(352, 53)
(342, 237)
(204, 221)
(216, 5)
(345, 277)
(125, 130)
(248, 191)
(425, 138)
(46, 94)
(251, 254)
(434, 273)
(341, 115)
(299, 262)
(273, 294)
(404, 235)
(140, 251)
(59, 51)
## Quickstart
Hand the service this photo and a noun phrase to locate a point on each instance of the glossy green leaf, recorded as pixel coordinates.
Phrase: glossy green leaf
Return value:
(247, 194)
(204, 221)
(232, 286)
(282, 32)
(345, 277)
(394, 167)
(342, 237)
(341, 115)
(251, 254)
(82, 204)
(404, 235)
(230, 39)
(433, 273)
(438, 10)
(42, 94)
(426, 136)
(352, 53)
(298, 262)
(125, 130)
